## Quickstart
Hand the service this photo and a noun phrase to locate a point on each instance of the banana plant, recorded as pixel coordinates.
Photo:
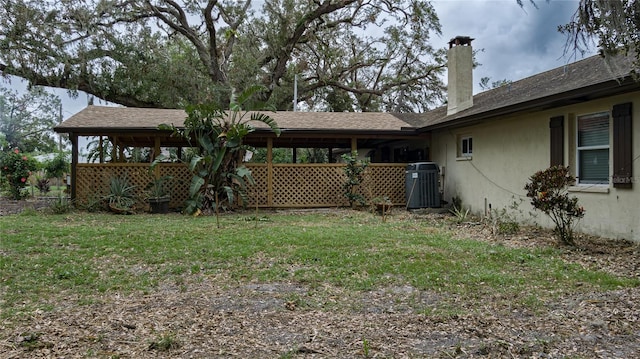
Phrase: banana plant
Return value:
(218, 173)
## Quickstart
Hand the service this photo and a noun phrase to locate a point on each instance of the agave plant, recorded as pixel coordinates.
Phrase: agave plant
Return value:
(121, 197)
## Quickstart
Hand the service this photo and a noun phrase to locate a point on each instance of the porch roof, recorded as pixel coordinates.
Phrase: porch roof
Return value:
(139, 126)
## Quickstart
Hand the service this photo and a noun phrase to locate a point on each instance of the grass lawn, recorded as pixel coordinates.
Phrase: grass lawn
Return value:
(336, 257)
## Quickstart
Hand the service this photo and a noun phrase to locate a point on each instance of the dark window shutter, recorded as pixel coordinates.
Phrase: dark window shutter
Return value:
(556, 125)
(622, 144)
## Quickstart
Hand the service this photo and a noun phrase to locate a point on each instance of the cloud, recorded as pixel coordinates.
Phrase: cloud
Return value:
(515, 42)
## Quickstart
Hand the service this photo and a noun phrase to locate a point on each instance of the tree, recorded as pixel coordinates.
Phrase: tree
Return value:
(614, 25)
(27, 120)
(57, 166)
(484, 83)
(168, 53)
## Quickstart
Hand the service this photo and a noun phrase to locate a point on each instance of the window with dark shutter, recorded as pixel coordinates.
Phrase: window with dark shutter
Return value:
(593, 148)
(622, 144)
(556, 125)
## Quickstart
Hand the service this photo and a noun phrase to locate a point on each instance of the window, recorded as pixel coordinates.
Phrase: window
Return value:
(466, 146)
(593, 148)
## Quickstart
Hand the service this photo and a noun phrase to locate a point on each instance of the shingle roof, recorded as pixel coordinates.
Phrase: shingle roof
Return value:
(583, 80)
(126, 118)
(579, 81)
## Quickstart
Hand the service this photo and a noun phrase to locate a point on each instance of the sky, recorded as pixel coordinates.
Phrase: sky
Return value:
(515, 42)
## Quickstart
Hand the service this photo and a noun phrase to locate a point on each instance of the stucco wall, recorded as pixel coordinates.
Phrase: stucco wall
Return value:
(506, 151)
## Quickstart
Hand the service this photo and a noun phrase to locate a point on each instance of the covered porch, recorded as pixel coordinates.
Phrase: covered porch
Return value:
(386, 139)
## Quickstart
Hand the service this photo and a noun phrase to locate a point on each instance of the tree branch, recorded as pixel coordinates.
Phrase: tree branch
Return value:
(83, 84)
(284, 55)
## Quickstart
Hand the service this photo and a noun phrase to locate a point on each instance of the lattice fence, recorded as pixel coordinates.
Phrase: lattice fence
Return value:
(92, 180)
(289, 185)
(260, 191)
(385, 180)
(318, 185)
(180, 182)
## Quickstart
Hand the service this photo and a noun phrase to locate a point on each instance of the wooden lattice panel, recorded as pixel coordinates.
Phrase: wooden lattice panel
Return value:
(259, 192)
(92, 180)
(308, 185)
(290, 185)
(180, 182)
(385, 180)
(89, 184)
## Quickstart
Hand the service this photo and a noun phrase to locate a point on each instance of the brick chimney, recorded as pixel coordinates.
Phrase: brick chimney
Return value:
(460, 65)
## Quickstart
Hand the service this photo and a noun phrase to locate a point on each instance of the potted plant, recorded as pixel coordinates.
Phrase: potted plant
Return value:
(159, 194)
(121, 197)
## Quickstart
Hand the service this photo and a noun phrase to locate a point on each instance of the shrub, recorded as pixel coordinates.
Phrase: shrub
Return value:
(43, 185)
(354, 170)
(507, 227)
(547, 190)
(94, 203)
(61, 205)
(16, 167)
(57, 166)
(503, 221)
(458, 210)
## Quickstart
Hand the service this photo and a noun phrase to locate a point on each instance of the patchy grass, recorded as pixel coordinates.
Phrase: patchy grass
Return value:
(80, 256)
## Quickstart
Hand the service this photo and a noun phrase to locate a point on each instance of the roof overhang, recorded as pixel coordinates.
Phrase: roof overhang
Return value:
(584, 94)
(318, 138)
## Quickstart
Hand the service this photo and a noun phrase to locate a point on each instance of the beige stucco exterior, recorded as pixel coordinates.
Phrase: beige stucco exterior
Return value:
(506, 151)
(460, 75)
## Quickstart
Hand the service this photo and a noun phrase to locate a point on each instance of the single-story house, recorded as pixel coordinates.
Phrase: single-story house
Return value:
(580, 115)
(583, 115)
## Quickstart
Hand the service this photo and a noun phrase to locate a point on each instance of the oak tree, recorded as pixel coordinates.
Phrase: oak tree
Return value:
(27, 119)
(612, 25)
(375, 54)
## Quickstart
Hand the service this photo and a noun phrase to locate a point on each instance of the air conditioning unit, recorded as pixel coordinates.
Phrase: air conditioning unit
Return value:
(422, 185)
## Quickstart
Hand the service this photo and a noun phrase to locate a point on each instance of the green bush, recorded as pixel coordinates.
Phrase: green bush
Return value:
(57, 166)
(354, 170)
(547, 190)
(16, 168)
(61, 205)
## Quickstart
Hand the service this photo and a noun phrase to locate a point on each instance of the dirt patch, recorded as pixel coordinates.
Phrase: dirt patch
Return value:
(202, 319)
(206, 321)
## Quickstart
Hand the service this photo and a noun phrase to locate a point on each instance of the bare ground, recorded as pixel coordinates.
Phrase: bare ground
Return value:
(201, 319)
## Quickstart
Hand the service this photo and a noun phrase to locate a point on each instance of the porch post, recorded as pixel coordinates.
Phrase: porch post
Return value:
(100, 152)
(121, 153)
(114, 149)
(270, 172)
(156, 148)
(156, 153)
(74, 163)
(354, 144)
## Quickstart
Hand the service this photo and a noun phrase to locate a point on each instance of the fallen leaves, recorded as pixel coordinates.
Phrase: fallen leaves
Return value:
(272, 320)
